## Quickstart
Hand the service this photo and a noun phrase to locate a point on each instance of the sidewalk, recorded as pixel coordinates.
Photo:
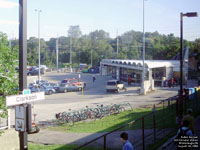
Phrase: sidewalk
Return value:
(169, 145)
(112, 140)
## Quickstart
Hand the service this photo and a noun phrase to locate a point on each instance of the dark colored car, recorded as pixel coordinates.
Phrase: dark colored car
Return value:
(35, 72)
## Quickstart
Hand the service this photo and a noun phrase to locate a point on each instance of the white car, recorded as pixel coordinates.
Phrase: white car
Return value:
(114, 86)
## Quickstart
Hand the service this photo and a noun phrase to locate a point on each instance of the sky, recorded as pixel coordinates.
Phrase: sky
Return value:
(110, 15)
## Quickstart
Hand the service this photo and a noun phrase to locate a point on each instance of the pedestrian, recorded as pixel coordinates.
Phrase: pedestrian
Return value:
(169, 83)
(172, 82)
(183, 132)
(129, 80)
(93, 78)
(190, 118)
(126, 144)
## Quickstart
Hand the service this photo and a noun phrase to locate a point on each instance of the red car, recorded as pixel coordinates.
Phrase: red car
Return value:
(74, 81)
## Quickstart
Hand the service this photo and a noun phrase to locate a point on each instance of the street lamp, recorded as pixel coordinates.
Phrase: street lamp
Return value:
(190, 14)
(57, 53)
(143, 55)
(39, 11)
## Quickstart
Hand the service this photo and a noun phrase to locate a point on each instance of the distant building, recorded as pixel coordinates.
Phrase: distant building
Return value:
(156, 71)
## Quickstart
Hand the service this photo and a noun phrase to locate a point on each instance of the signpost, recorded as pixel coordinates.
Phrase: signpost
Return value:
(23, 99)
(23, 113)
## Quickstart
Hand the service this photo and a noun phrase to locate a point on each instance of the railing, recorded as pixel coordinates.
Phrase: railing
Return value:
(4, 122)
(147, 129)
(151, 127)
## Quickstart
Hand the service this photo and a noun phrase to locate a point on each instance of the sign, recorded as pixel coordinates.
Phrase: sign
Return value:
(23, 99)
(20, 118)
(19, 125)
(26, 91)
(19, 112)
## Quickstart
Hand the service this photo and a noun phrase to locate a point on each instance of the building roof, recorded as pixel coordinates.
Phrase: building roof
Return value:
(139, 63)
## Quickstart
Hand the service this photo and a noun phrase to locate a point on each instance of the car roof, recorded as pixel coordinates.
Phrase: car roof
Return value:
(113, 80)
(70, 79)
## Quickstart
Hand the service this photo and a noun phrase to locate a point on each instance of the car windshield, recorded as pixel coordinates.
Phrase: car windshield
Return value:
(64, 81)
(111, 83)
(63, 85)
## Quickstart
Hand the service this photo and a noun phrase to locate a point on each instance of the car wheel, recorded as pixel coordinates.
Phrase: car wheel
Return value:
(84, 85)
(50, 92)
(125, 89)
(65, 91)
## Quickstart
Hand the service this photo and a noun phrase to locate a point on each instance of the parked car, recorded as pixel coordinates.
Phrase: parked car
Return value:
(35, 72)
(93, 70)
(52, 85)
(63, 88)
(74, 81)
(114, 86)
(47, 90)
(42, 81)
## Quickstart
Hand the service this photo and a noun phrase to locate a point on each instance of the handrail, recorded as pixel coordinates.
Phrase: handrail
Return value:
(127, 124)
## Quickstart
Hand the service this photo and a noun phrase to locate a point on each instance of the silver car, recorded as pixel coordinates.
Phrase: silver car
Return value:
(63, 88)
(47, 90)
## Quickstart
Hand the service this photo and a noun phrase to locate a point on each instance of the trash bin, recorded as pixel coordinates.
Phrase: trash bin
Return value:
(165, 83)
(186, 93)
(191, 93)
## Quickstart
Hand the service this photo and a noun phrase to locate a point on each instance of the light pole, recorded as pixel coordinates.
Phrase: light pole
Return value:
(143, 55)
(190, 14)
(39, 11)
(117, 44)
(57, 53)
(91, 58)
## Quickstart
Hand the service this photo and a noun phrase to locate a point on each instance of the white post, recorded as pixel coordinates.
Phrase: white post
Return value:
(9, 124)
(91, 58)
(39, 78)
(57, 54)
(117, 44)
(143, 56)
(70, 50)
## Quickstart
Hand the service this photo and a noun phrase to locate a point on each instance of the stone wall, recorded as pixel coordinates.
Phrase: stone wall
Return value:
(9, 140)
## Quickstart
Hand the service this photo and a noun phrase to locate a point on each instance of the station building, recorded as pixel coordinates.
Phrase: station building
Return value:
(156, 71)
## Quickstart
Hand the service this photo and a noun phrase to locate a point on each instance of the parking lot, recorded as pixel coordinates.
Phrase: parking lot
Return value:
(94, 94)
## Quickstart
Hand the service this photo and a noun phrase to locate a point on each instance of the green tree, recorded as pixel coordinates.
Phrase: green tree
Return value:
(8, 75)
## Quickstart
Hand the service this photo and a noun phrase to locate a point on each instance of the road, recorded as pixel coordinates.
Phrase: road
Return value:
(93, 95)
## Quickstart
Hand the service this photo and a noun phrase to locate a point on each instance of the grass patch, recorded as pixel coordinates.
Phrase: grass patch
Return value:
(61, 147)
(50, 147)
(112, 122)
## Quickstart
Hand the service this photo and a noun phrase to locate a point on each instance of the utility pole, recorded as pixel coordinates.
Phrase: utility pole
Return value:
(117, 44)
(57, 53)
(91, 58)
(70, 50)
(143, 55)
(23, 61)
(39, 11)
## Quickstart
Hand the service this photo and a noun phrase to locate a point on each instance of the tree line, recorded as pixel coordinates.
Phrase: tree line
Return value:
(97, 45)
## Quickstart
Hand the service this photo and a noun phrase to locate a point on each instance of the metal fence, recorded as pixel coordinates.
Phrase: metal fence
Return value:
(4, 122)
(153, 125)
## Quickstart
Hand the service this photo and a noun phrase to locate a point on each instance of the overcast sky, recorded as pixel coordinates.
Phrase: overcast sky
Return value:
(110, 15)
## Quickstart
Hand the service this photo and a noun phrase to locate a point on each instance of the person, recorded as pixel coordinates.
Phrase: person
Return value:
(182, 131)
(93, 77)
(172, 82)
(169, 83)
(190, 119)
(129, 80)
(126, 144)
